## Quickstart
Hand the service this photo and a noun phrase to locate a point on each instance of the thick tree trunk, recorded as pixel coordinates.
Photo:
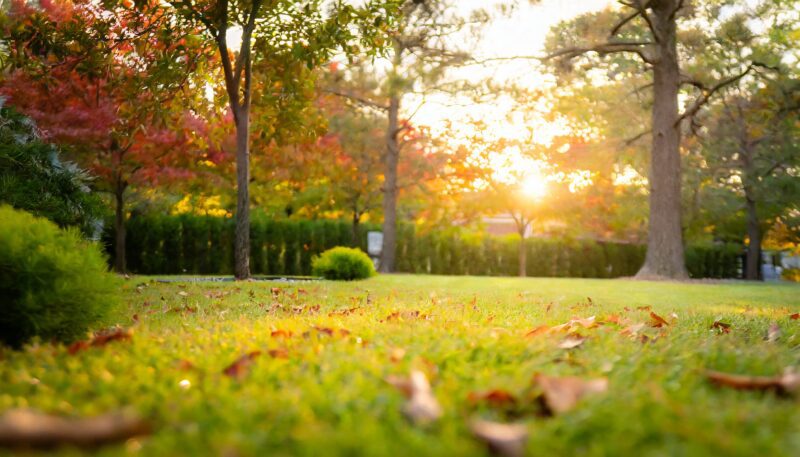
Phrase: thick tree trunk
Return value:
(665, 255)
(241, 267)
(390, 188)
(120, 262)
(355, 235)
(753, 262)
(523, 255)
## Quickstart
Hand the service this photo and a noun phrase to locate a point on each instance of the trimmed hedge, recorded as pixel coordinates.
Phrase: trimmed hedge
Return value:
(343, 264)
(189, 244)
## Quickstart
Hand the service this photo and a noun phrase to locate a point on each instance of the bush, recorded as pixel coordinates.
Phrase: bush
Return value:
(33, 177)
(791, 274)
(53, 283)
(341, 263)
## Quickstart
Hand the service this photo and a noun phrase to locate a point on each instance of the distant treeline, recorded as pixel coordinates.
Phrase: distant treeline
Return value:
(190, 244)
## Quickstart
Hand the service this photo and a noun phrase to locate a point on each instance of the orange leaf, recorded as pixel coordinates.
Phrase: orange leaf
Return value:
(281, 334)
(657, 321)
(540, 330)
(280, 353)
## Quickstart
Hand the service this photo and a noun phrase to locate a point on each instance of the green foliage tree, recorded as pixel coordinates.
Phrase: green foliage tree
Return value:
(274, 35)
(35, 179)
(675, 42)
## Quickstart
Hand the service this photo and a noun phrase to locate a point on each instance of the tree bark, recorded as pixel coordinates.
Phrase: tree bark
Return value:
(355, 235)
(242, 241)
(753, 262)
(523, 254)
(120, 262)
(390, 188)
(665, 254)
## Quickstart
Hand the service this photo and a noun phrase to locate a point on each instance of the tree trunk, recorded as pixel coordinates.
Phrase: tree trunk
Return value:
(241, 267)
(665, 255)
(523, 255)
(753, 262)
(355, 241)
(120, 263)
(390, 188)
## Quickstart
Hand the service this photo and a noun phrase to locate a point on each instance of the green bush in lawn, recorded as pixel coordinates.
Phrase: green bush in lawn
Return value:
(341, 263)
(53, 283)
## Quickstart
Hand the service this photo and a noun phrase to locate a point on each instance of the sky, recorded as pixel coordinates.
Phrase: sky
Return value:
(522, 33)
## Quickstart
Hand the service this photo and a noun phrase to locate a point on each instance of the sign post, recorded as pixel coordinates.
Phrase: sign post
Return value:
(375, 246)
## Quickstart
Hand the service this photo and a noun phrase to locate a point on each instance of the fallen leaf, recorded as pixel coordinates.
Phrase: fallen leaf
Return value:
(241, 366)
(794, 316)
(281, 334)
(24, 428)
(184, 365)
(614, 319)
(331, 331)
(633, 330)
(644, 308)
(502, 439)
(571, 342)
(183, 294)
(773, 333)
(540, 330)
(397, 354)
(787, 383)
(560, 395)
(497, 398)
(100, 339)
(721, 327)
(657, 321)
(279, 353)
(421, 407)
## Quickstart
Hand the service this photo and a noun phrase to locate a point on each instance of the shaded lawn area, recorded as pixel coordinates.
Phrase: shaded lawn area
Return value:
(317, 394)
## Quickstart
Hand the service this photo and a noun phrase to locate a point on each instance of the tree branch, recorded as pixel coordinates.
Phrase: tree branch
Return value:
(637, 47)
(707, 93)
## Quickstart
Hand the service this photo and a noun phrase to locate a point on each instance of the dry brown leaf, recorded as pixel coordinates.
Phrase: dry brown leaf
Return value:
(184, 365)
(633, 330)
(497, 398)
(503, 439)
(773, 333)
(794, 316)
(421, 407)
(560, 395)
(24, 428)
(101, 338)
(571, 342)
(721, 327)
(241, 366)
(787, 383)
(657, 321)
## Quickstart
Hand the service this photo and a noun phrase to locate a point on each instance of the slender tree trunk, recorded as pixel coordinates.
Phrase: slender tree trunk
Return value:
(523, 254)
(120, 263)
(390, 189)
(665, 255)
(242, 242)
(753, 262)
(355, 235)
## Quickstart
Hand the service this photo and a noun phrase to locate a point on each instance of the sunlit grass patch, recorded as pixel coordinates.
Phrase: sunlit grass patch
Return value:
(325, 350)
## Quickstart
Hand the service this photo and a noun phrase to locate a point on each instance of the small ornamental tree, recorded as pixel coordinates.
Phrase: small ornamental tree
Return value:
(103, 81)
(274, 35)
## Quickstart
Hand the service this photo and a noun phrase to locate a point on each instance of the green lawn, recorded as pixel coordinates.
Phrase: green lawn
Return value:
(326, 395)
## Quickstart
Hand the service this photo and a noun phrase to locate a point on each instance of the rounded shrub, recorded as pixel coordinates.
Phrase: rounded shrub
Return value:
(341, 263)
(53, 283)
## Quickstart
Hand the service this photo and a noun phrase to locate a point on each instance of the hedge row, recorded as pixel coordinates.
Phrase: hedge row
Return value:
(189, 244)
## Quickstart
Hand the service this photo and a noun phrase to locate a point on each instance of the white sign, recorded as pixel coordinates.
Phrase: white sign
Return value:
(374, 243)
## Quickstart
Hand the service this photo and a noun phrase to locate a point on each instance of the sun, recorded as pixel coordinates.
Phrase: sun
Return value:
(533, 186)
